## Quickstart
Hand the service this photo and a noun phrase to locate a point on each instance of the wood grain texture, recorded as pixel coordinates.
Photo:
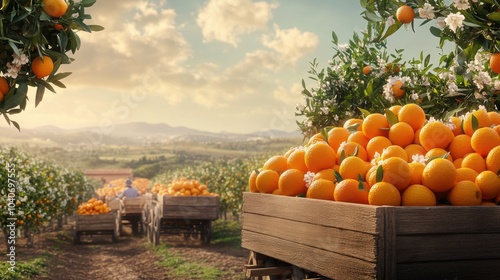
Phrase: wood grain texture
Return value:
(329, 264)
(349, 216)
(189, 207)
(350, 243)
(487, 269)
(95, 222)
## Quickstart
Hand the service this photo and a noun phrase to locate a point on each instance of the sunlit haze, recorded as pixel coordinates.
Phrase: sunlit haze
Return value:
(217, 65)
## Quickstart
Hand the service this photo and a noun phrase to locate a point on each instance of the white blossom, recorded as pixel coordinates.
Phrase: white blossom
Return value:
(419, 158)
(427, 11)
(461, 4)
(482, 78)
(308, 178)
(343, 47)
(440, 22)
(454, 21)
(390, 21)
(325, 110)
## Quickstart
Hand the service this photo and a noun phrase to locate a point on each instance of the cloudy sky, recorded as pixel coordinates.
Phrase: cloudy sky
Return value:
(213, 65)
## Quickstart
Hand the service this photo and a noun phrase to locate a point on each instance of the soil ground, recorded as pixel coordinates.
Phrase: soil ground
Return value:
(132, 257)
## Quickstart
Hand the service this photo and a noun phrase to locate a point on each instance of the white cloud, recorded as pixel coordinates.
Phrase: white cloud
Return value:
(291, 44)
(226, 20)
(289, 96)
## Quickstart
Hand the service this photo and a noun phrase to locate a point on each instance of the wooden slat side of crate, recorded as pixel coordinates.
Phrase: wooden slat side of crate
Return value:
(133, 205)
(95, 222)
(114, 205)
(189, 207)
(337, 240)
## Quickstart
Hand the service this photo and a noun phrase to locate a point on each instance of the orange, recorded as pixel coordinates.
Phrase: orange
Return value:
(416, 172)
(267, 181)
(495, 63)
(348, 191)
(289, 152)
(397, 172)
(353, 124)
(336, 136)
(493, 160)
(252, 184)
(395, 109)
(474, 161)
(377, 145)
(417, 136)
(375, 124)
(494, 117)
(351, 149)
(414, 149)
(4, 86)
(319, 156)
(464, 193)
(277, 192)
(352, 167)
(54, 8)
(466, 173)
(435, 135)
(276, 163)
(418, 195)
(42, 68)
(328, 174)
(484, 139)
(497, 129)
(482, 118)
(413, 115)
(383, 193)
(437, 152)
(488, 203)
(367, 70)
(291, 182)
(358, 137)
(489, 184)
(401, 134)
(318, 137)
(397, 89)
(321, 189)
(394, 151)
(405, 14)
(460, 146)
(439, 175)
(457, 122)
(297, 160)
(458, 162)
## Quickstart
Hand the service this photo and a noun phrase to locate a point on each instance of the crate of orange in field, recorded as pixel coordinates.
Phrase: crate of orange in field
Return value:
(390, 196)
(95, 217)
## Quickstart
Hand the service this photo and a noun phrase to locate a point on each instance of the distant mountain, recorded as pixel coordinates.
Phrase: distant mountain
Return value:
(134, 133)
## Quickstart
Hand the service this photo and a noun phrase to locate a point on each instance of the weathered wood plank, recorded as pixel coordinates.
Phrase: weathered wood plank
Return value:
(350, 243)
(95, 222)
(448, 247)
(460, 270)
(386, 250)
(349, 216)
(189, 200)
(321, 261)
(190, 212)
(446, 219)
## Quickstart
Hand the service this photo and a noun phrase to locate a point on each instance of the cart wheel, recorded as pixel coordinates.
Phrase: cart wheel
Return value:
(206, 232)
(156, 227)
(150, 229)
(144, 220)
(114, 236)
(76, 237)
(118, 227)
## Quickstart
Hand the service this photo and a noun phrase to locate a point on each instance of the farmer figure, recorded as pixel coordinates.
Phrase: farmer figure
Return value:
(130, 193)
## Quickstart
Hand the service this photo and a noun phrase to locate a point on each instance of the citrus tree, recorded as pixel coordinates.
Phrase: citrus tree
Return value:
(35, 192)
(363, 76)
(35, 38)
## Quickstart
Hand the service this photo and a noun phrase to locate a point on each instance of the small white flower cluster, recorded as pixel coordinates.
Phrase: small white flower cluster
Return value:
(308, 178)
(14, 67)
(389, 93)
(454, 21)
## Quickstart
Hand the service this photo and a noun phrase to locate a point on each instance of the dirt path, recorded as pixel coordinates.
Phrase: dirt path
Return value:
(130, 258)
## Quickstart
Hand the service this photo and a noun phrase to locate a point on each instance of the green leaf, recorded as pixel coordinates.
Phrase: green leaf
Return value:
(40, 90)
(5, 3)
(324, 133)
(364, 112)
(59, 76)
(338, 177)
(379, 176)
(342, 155)
(391, 117)
(16, 125)
(475, 123)
(59, 84)
(46, 85)
(361, 183)
(393, 28)
(353, 128)
(87, 3)
(495, 16)
(435, 31)
(95, 28)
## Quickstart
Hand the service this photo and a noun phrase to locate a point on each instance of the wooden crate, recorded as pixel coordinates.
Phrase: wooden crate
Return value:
(114, 205)
(354, 241)
(133, 205)
(189, 207)
(100, 222)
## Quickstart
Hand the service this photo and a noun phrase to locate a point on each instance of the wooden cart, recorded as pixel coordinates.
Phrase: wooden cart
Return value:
(293, 236)
(101, 224)
(132, 211)
(188, 215)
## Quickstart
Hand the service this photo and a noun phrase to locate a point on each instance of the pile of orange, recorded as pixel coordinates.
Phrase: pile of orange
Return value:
(93, 207)
(114, 187)
(182, 187)
(397, 158)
